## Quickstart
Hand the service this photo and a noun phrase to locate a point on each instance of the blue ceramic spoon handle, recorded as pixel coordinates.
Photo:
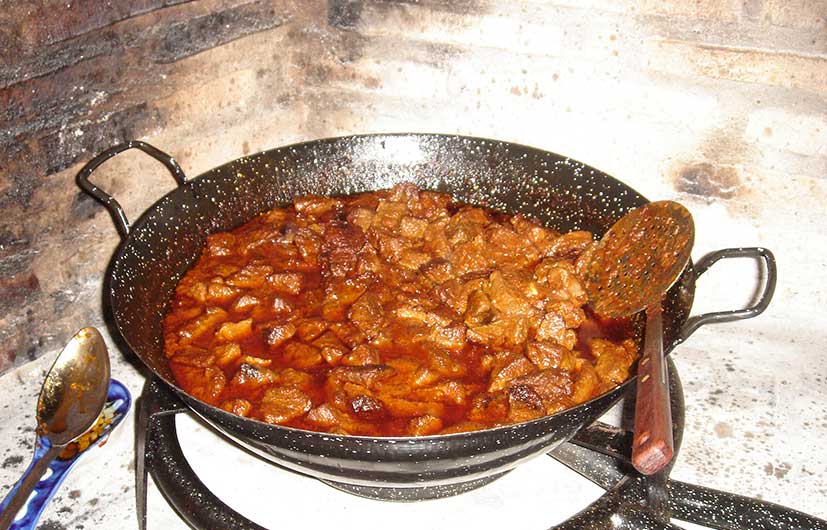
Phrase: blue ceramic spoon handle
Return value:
(18, 496)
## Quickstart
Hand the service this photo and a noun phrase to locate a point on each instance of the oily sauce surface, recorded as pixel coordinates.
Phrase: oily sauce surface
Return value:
(393, 313)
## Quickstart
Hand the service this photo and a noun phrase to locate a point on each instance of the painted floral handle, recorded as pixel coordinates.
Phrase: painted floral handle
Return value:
(118, 401)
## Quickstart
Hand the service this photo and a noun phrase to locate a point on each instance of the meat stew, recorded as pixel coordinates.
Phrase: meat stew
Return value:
(393, 313)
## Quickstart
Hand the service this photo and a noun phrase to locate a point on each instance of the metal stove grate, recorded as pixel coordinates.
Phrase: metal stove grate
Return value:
(600, 453)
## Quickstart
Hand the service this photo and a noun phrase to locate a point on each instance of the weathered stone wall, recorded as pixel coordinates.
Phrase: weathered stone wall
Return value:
(723, 102)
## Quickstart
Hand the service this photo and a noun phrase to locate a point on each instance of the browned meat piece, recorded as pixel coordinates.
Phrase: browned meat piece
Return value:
(507, 248)
(570, 245)
(361, 217)
(489, 407)
(308, 329)
(389, 215)
(560, 282)
(479, 310)
(366, 376)
(444, 363)
(192, 356)
(362, 355)
(205, 384)
(550, 355)
(471, 256)
(367, 408)
(302, 356)
(282, 404)
(340, 246)
(220, 293)
(585, 383)
(332, 349)
(286, 282)
(552, 328)
(448, 392)
(424, 426)
(524, 404)
(412, 227)
(226, 353)
(613, 360)
(413, 259)
(235, 331)
(245, 303)
(508, 366)
(255, 361)
(573, 315)
(201, 325)
(348, 333)
(451, 337)
(309, 246)
(280, 306)
(336, 421)
(250, 376)
(505, 330)
(316, 205)
(437, 270)
(240, 407)
(293, 377)
(220, 244)
(540, 237)
(553, 386)
(251, 276)
(366, 313)
(405, 408)
(507, 297)
(583, 261)
(277, 335)
(466, 224)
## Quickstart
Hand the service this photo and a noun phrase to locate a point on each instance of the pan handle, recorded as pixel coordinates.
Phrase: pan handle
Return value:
(761, 303)
(115, 209)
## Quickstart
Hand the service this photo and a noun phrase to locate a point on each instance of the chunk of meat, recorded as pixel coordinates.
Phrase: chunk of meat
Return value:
(362, 355)
(205, 383)
(524, 404)
(613, 360)
(226, 354)
(286, 282)
(366, 376)
(235, 331)
(241, 407)
(367, 315)
(282, 404)
(251, 377)
(424, 426)
(277, 335)
(553, 386)
(550, 355)
(302, 356)
(552, 328)
(508, 366)
(367, 408)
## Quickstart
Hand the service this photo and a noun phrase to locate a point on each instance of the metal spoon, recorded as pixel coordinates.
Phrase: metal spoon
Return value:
(633, 266)
(71, 399)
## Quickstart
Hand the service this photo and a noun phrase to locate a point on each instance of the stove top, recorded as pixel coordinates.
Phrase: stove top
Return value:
(550, 493)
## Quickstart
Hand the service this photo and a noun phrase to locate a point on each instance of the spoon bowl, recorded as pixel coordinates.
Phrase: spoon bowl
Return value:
(71, 399)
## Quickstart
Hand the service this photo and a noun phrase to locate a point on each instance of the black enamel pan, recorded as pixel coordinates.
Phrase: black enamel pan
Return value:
(564, 194)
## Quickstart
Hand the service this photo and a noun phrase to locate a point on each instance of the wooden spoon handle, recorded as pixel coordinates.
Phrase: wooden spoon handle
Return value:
(653, 446)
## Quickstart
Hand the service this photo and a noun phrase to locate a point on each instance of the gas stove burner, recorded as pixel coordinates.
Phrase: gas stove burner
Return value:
(600, 453)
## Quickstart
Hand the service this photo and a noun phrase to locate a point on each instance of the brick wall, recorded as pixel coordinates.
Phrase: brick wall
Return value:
(720, 102)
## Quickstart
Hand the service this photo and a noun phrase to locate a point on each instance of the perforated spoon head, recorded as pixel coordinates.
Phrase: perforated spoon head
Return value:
(639, 258)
